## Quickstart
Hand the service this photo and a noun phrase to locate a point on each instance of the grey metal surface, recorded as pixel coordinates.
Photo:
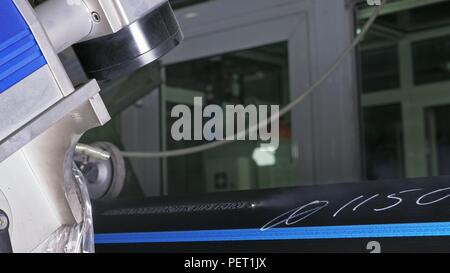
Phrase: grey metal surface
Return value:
(113, 15)
(25, 100)
(90, 151)
(132, 10)
(44, 121)
(118, 170)
(55, 17)
(56, 67)
(36, 175)
(134, 46)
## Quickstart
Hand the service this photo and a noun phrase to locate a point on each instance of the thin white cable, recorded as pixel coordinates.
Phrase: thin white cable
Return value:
(282, 112)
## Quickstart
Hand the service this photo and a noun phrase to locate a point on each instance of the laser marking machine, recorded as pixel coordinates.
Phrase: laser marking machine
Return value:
(43, 202)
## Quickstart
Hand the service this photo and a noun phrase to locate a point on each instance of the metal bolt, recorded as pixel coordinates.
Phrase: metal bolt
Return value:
(96, 17)
(90, 151)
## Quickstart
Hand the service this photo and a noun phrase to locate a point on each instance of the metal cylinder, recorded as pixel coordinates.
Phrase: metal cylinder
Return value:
(134, 46)
(66, 22)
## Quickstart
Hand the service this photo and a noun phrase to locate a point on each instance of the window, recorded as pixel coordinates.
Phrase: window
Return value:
(254, 76)
(383, 141)
(439, 139)
(431, 60)
(405, 91)
(380, 69)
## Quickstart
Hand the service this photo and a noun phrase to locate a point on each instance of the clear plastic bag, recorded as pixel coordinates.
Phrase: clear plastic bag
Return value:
(78, 238)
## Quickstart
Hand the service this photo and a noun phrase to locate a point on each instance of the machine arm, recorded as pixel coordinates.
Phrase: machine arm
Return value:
(43, 115)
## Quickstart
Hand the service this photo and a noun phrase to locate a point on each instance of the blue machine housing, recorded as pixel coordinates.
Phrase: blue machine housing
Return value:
(20, 54)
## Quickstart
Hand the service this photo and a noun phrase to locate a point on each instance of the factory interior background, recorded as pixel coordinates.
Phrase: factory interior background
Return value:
(355, 94)
(381, 116)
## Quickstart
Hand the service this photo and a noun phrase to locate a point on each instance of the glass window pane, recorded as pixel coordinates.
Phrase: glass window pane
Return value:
(439, 139)
(389, 151)
(257, 76)
(380, 69)
(431, 60)
(383, 142)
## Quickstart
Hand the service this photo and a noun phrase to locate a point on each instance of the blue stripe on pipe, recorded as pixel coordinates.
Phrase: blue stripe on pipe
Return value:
(437, 229)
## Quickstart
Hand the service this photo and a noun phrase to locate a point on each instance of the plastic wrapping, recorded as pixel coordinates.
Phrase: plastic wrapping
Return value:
(78, 238)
